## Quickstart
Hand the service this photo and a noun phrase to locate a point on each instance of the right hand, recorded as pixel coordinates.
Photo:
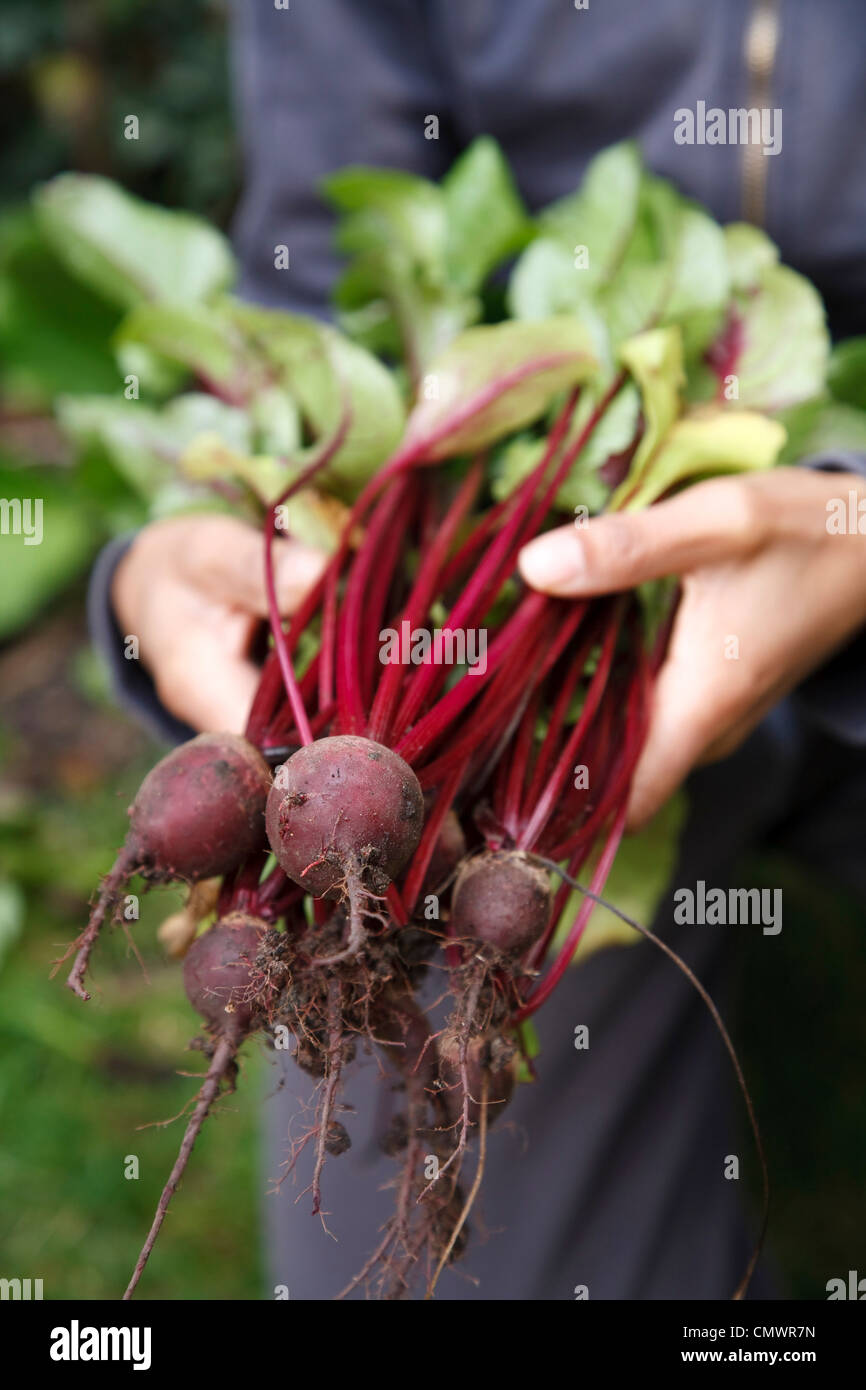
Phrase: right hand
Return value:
(191, 589)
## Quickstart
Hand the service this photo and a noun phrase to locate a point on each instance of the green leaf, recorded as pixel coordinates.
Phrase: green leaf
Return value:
(49, 539)
(582, 239)
(822, 427)
(391, 207)
(655, 361)
(12, 908)
(583, 486)
(613, 434)
(324, 372)
(276, 421)
(145, 444)
(420, 252)
(780, 318)
(545, 282)
(846, 376)
(750, 253)
(785, 342)
(711, 440)
(675, 271)
(495, 379)
(601, 215)
(198, 337)
(700, 286)
(128, 250)
(54, 333)
(157, 377)
(486, 218)
(513, 462)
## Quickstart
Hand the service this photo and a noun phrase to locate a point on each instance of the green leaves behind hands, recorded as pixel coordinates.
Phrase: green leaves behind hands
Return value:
(485, 219)
(198, 338)
(585, 485)
(600, 217)
(145, 444)
(313, 515)
(783, 350)
(709, 440)
(822, 427)
(846, 376)
(493, 380)
(627, 244)
(420, 251)
(834, 423)
(284, 371)
(128, 250)
(674, 447)
(54, 332)
(328, 376)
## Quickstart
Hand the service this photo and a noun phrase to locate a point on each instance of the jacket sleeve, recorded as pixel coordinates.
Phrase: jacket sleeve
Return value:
(131, 684)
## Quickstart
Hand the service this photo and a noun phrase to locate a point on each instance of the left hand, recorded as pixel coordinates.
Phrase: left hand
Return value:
(768, 594)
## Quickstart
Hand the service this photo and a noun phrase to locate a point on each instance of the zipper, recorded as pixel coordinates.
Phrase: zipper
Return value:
(760, 46)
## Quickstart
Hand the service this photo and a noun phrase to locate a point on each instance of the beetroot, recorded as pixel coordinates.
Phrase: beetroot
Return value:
(222, 984)
(342, 806)
(198, 814)
(219, 974)
(501, 899)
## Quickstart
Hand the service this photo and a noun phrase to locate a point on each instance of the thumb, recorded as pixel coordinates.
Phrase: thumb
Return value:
(708, 523)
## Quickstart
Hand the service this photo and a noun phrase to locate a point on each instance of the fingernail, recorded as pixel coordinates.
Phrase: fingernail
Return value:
(554, 562)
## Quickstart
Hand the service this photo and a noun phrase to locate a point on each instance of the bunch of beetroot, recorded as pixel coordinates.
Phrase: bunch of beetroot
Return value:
(427, 816)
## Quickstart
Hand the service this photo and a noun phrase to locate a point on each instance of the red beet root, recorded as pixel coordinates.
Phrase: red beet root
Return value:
(344, 806)
(219, 975)
(198, 814)
(220, 982)
(502, 899)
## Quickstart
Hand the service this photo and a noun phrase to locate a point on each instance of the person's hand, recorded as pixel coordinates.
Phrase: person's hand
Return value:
(191, 589)
(768, 593)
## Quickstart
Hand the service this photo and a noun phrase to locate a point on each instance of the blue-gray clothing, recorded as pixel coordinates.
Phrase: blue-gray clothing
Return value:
(611, 1170)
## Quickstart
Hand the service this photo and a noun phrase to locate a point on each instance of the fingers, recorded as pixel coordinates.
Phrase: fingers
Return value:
(674, 743)
(713, 521)
(225, 558)
(205, 680)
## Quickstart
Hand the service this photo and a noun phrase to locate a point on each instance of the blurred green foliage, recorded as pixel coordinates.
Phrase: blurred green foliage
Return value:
(77, 1083)
(72, 70)
(69, 75)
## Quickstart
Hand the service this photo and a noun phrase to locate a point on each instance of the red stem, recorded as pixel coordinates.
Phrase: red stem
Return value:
(439, 718)
(486, 573)
(563, 960)
(424, 853)
(421, 596)
(544, 806)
